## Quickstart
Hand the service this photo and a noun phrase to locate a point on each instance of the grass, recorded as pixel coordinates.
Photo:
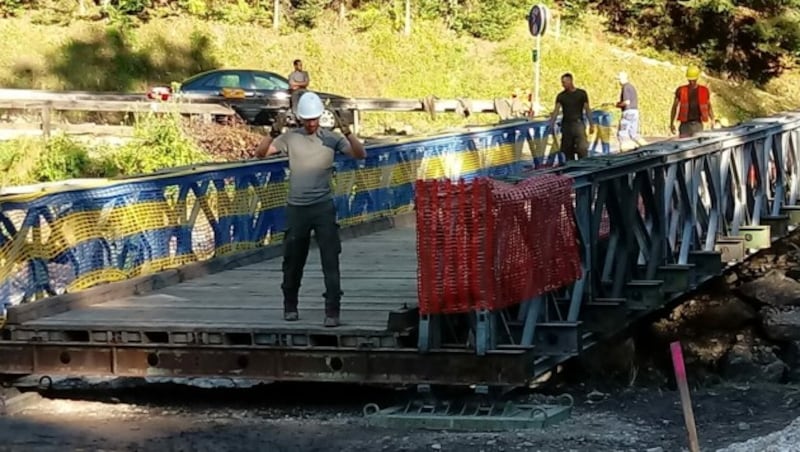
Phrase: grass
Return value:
(378, 62)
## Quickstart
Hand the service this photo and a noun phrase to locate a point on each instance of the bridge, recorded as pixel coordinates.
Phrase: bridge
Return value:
(469, 258)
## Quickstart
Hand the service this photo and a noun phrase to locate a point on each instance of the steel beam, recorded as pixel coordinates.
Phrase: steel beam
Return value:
(392, 367)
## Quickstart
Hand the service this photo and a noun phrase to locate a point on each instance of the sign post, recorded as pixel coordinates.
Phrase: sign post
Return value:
(538, 18)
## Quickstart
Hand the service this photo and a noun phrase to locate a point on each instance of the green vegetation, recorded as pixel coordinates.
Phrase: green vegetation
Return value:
(467, 49)
(753, 40)
(159, 142)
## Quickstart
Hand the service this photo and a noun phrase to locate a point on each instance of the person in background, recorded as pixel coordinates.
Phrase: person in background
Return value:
(628, 132)
(574, 102)
(311, 151)
(298, 83)
(692, 105)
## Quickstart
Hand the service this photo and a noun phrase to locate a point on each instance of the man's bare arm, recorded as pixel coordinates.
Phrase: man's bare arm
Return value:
(673, 112)
(265, 147)
(588, 110)
(356, 147)
(554, 116)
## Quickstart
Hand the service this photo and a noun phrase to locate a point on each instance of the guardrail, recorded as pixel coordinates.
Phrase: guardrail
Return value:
(75, 235)
(192, 104)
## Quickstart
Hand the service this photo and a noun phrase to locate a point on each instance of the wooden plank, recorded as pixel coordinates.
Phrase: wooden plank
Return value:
(142, 106)
(346, 274)
(149, 283)
(73, 129)
(347, 304)
(256, 299)
(144, 317)
(346, 270)
(265, 319)
(276, 325)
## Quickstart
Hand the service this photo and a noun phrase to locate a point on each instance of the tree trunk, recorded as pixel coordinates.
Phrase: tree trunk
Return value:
(407, 28)
(276, 14)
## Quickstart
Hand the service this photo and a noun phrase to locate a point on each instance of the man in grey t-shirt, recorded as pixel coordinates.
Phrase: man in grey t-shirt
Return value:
(311, 151)
(298, 84)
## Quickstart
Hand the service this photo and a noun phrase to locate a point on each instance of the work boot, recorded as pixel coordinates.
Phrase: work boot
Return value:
(331, 314)
(290, 308)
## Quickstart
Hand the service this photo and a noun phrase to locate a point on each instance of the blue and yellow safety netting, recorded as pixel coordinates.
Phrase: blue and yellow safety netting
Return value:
(71, 237)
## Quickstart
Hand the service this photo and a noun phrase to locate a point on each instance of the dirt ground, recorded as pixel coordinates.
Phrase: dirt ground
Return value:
(322, 418)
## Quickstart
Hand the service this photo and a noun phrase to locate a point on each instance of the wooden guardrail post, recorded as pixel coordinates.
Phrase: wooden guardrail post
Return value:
(47, 110)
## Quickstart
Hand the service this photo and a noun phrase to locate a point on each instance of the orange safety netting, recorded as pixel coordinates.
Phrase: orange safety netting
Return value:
(487, 244)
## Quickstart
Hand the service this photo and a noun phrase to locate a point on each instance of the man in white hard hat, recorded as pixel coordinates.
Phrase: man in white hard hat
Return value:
(311, 151)
(628, 131)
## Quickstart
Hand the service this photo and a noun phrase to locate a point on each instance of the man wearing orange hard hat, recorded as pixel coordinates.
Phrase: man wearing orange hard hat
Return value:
(692, 106)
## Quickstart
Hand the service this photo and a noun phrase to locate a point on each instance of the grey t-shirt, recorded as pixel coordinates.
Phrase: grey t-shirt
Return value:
(300, 77)
(628, 93)
(311, 163)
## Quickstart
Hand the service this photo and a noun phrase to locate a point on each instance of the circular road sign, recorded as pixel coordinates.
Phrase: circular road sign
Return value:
(537, 20)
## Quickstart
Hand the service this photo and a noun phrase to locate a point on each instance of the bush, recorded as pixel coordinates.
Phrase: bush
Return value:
(159, 143)
(62, 158)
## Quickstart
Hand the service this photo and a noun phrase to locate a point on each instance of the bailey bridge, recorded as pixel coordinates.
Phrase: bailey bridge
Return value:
(469, 258)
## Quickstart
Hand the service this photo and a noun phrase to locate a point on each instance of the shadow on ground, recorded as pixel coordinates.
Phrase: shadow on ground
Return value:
(108, 61)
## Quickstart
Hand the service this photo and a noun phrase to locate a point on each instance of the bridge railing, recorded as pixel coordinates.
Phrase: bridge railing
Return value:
(651, 225)
(72, 236)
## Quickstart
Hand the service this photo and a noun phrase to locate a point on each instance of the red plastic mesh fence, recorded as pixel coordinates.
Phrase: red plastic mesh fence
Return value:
(487, 244)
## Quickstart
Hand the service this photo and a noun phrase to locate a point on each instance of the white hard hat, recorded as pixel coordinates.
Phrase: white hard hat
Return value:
(622, 77)
(310, 106)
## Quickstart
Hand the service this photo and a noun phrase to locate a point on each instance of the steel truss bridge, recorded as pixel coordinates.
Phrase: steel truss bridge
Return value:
(177, 274)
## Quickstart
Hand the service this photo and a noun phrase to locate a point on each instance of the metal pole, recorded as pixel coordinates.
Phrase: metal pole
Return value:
(536, 107)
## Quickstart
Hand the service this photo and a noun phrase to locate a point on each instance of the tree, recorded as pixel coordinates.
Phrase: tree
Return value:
(753, 39)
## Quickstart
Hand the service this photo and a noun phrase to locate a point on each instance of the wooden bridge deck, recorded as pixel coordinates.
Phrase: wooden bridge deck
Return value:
(245, 305)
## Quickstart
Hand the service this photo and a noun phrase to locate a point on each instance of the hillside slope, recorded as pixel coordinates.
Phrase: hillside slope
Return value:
(375, 62)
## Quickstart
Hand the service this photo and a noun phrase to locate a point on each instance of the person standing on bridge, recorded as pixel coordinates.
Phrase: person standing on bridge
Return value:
(575, 103)
(311, 151)
(692, 104)
(628, 132)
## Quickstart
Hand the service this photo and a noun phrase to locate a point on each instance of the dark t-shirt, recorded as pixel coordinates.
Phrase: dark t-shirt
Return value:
(572, 104)
(629, 93)
(694, 104)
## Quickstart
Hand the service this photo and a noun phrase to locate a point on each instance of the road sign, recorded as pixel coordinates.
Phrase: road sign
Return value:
(538, 18)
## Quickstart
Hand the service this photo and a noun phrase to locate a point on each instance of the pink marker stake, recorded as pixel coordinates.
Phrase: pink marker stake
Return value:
(683, 387)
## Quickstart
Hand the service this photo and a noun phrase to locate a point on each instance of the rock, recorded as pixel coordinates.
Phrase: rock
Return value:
(781, 323)
(791, 356)
(708, 349)
(774, 288)
(744, 426)
(655, 449)
(436, 446)
(596, 396)
(611, 359)
(750, 361)
(793, 273)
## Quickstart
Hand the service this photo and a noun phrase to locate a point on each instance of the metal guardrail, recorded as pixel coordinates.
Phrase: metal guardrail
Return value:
(195, 104)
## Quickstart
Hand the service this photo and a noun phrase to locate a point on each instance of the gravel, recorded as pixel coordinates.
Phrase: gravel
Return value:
(786, 440)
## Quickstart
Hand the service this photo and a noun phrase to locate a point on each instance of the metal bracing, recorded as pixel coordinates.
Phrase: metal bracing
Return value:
(650, 223)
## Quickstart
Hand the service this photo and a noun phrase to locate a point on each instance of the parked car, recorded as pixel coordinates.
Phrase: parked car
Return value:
(240, 89)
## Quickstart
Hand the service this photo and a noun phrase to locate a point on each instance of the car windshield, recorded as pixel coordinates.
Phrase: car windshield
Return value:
(260, 81)
(267, 81)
